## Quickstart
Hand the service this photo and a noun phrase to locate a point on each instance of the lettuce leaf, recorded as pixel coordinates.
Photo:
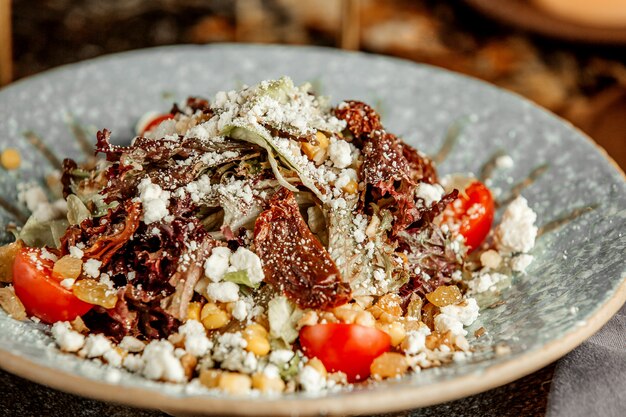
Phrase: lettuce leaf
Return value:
(241, 278)
(37, 233)
(283, 316)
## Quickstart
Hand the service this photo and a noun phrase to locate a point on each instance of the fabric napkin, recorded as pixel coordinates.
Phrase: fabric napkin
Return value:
(591, 380)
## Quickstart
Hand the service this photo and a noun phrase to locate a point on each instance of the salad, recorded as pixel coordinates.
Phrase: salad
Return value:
(263, 241)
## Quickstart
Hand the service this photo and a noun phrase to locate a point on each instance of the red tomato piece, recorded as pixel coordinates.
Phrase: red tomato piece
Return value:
(155, 122)
(42, 294)
(471, 214)
(348, 348)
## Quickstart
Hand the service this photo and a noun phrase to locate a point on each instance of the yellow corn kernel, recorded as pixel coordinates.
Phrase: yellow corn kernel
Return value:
(256, 328)
(188, 363)
(235, 383)
(193, 311)
(10, 159)
(351, 187)
(210, 378)
(318, 366)
(265, 383)
(345, 314)
(213, 317)
(68, 267)
(317, 150)
(389, 365)
(365, 318)
(395, 330)
(256, 342)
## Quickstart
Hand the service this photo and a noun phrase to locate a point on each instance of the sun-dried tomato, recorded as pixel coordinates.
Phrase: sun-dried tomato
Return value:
(422, 168)
(294, 260)
(360, 118)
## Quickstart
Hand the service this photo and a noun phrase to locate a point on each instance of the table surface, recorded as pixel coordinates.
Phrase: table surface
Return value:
(524, 397)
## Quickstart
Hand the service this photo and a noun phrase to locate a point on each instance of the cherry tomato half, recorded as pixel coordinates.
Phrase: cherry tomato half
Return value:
(42, 294)
(349, 348)
(153, 123)
(471, 214)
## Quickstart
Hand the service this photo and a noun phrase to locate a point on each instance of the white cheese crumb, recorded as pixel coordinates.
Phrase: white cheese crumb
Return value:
(160, 363)
(154, 201)
(311, 380)
(482, 282)
(520, 262)
(490, 259)
(224, 292)
(76, 252)
(133, 363)
(66, 338)
(216, 265)
(67, 283)
(196, 341)
(415, 341)
(504, 161)
(91, 267)
(246, 260)
(240, 311)
(517, 231)
(430, 193)
(113, 358)
(132, 344)
(280, 357)
(444, 323)
(96, 345)
(466, 312)
(339, 152)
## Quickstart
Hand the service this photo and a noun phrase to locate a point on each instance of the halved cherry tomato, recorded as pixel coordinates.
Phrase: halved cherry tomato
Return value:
(42, 294)
(155, 122)
(349, 348)
(471, 214)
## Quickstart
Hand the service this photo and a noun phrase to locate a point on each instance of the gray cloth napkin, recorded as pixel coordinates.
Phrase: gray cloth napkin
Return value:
(591, 380)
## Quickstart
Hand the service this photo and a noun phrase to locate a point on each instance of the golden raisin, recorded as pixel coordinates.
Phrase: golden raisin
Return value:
(445, 295)
(68, 267)
(94, 292)
(429, 311)
(389, 365)
(7, 257)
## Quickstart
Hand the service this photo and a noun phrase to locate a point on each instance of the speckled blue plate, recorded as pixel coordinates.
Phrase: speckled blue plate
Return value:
(574, 286)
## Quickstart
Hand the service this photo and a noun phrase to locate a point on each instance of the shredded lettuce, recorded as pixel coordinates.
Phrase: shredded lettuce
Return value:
(37, 233)
(241, 278)
(283, 316)
(76, 210)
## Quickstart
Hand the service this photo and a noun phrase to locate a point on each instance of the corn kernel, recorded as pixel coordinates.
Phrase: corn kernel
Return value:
(351, 187)
(395, 330)
(235, 383)
(317, 150)
(213, 317)
(265, 383)
(193, 311)
(345, 314)
(210, 378)
(389, 365)
(10, 159)
(68, 267)
(256, 328)
(188, 362)
(256, 343)
(365, 318)
(318, 366)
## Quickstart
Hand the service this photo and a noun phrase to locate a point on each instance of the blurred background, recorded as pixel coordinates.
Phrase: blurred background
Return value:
(569, 59)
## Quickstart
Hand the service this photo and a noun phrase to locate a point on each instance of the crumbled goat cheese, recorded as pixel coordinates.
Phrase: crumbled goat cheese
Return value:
(504, 161)
(113, 358)
(160, 363)
(466, 312)
(345, 177)
(196, 341)
(340, 153)
(490, 259)
(280, 357)
(484, 281)
(133, 363)
(66, 338)
(132, 344)
(240, 311)
(216, 265)
(67, 283)
(96, 345)
(229, 351)
(311, 380)
(246, 260)
(520, 262)
(517, 231)
(224, 292)
(430, 193)
(415, 341)
(91, 267)
(76, 252)
(445, 323)
(153, 200)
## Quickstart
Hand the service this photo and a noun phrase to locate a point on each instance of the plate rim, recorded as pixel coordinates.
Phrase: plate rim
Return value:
(388, 400)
